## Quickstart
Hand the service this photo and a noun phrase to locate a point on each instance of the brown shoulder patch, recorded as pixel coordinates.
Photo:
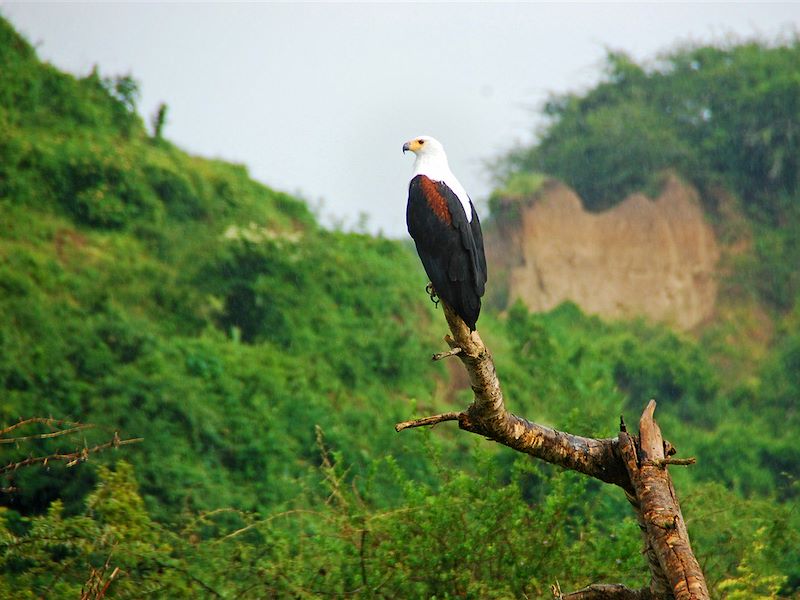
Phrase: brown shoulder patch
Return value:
(436, 202)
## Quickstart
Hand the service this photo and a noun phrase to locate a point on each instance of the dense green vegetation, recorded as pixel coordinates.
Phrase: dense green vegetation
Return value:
(265, 360)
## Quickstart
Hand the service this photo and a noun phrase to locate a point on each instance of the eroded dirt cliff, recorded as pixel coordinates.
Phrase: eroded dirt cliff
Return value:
(652, 258)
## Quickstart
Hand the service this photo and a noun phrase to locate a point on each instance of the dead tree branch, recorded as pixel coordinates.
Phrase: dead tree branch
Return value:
(637, 465)
(658, 510)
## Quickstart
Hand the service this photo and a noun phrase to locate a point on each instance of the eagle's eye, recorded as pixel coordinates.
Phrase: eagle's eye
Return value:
(420, 142)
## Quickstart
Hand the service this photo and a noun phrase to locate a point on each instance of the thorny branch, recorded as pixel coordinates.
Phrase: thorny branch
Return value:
(67, 428)
(73, 458)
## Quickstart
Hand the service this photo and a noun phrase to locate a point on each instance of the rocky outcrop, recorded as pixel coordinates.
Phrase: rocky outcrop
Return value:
(652, 258)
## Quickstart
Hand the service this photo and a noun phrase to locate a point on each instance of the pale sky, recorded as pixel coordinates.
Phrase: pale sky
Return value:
(318, 99)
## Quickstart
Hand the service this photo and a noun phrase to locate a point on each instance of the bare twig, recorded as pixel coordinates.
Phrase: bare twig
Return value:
(434, 420)
(441, 355)
(96, 586)
(361, 546)
(72, 427)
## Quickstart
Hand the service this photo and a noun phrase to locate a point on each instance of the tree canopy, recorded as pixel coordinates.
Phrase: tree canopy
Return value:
(714, 113)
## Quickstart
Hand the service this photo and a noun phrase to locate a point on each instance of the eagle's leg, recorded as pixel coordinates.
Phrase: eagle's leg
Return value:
(432, 293)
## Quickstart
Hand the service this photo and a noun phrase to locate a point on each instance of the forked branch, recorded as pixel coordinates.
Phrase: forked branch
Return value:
(639, 468)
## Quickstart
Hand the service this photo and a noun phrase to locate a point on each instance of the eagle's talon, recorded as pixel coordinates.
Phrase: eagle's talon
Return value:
(432, 293)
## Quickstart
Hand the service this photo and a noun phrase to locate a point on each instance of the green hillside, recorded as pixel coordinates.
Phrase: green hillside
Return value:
(173, 298)
(264, 361)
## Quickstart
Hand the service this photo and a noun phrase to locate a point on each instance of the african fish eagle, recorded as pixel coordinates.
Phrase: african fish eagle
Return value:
(445, 227)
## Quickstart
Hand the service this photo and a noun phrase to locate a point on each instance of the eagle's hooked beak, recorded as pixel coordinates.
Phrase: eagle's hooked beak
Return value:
(406, 147)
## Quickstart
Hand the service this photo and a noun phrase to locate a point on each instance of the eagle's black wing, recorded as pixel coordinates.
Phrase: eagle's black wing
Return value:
(450, 247)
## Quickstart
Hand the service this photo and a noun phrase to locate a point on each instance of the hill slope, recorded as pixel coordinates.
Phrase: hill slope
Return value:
(173, 298)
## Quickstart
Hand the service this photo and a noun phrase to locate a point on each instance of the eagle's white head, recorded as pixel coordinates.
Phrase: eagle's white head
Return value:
(426, 146)
(431, 161)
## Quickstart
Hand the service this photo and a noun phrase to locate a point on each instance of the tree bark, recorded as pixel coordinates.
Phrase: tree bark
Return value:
(636, 464)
